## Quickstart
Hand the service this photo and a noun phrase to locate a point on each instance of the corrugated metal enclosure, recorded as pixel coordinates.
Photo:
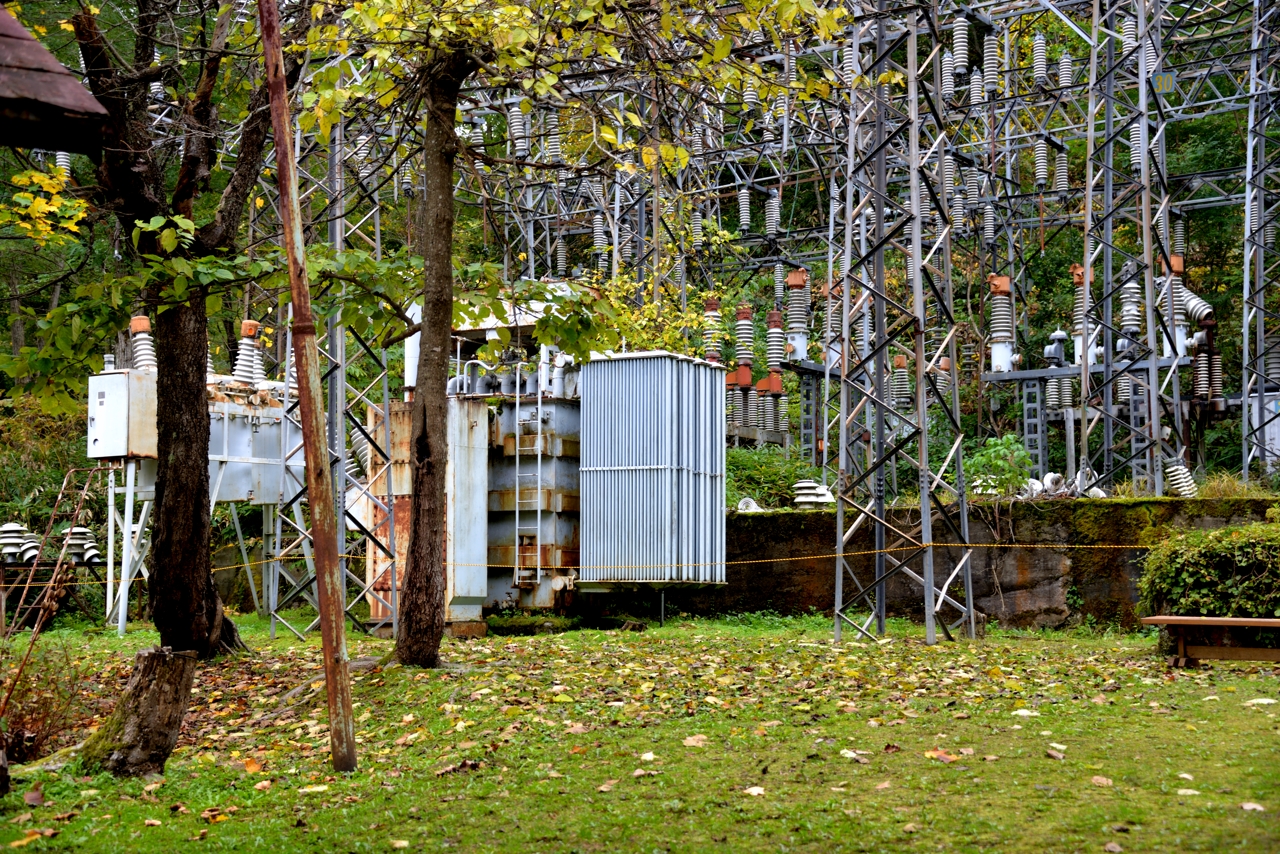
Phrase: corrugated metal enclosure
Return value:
(653, 470)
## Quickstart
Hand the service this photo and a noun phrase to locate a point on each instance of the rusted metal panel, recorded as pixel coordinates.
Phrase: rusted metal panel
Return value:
(467, 519)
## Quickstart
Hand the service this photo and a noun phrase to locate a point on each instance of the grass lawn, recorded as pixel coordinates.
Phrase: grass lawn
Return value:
(747, 734)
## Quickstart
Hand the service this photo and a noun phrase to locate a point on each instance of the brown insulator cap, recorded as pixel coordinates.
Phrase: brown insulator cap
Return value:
(249, 328)
(744, 311)
(899, 362)
(141, 323)
(773, 319)
(999, 285)
(712, 304)
(1077, 274)
(798, 278)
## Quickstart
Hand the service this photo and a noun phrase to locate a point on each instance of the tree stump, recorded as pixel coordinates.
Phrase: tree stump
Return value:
(143, 729)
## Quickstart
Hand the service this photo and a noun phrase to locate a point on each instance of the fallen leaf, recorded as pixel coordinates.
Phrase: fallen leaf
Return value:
(576, 729)
(1054, 754)
(1185, 776)
(883, 785)
(961, 716)
(891, 748)
(252, 765)
(203, 834)
(1025, 713)
(941, 755)
(262, 785)
(1260, 701)
(641, 772)
(34, 798)
(152, 786)
(32, 836)
(1112, 848)
(66, 816)
(1099, 700)
(464, 765)
(22, 818)
(647, 757)
(607, 786)
(754, 791)
(1249, 806)
(966, 751)
(399, 843)
(152, 822)
(771, 723)
(315, 790)
(990, 758)
(910, 827)
(1099, 780)
(1187, 792)
(555, 775)
(848, 709)
(1056, 746)
(697, 740)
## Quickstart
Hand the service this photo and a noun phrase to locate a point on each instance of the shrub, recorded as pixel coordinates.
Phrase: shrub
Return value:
(46, 707)
(1002, 466)
(764, 474)
(1228, 572)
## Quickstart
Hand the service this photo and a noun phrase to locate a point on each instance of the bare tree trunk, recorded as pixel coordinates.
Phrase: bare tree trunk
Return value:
(188, 611)
(18, 331)
(421, 619)
(143, 728)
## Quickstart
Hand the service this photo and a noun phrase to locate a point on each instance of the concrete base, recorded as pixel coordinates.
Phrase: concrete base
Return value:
(469, 629)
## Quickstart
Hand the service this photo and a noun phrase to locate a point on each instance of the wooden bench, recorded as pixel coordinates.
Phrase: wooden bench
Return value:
(1188, 654)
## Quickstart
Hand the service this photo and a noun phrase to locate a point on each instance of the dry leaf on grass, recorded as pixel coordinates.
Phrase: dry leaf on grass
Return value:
(641, 772)
(941, 755)
(1187, 792)
(152, 822)
(1055, 754)
(399, 843)
(1249, 806)
(697, 740)
(262, 785)
(21, 818)
(1099, 780)
(754, 791)
(1112, 848)
(252, 765)
(883, 785)
(607, 786)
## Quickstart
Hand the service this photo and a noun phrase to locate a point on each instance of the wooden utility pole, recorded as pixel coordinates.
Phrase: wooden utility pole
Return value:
(324, 524)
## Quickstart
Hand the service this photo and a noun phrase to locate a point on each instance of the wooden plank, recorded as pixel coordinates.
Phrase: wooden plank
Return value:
(1233, 653)
(1260, 622)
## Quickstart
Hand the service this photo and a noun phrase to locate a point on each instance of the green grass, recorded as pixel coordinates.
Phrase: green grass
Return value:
(554, 719)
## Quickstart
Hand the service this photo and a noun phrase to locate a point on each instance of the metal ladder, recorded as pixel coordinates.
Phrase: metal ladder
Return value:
(1033, 431)
(530, 498)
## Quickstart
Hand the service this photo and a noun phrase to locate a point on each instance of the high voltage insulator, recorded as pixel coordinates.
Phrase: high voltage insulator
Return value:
(1151, 55)
(695, 228)
(989, 225)
(518, 133)
(1179, 313)
(713, 331)
(597, 233)
(772, 213)
(1122, 388)
(1179, 480)
(848, 62)
(960, 46)
(900, 383)
(1040, 60)
(1052, 400)
(1130, 305)
(1042, 164)
(784, 421)
(948, 175)
(973, 188)
(477, 135)
(1203, 385)
(750, 98)
(1180, 237)
(948, 75)
(62, 160)
(1001, 307)
(1269, 235)
(553, 137)
(991, 62)
(1271, 359)
(1061, 174)
(208, 361)
(975, 87)
(745, 334)
(1196, 308)
(1215, 375)
(562, 256)
(766, 129)
(744, 209)
(730, 400)
(798, 311)
(624, 241)
(957, 209)
(248, 368)
(779, 284)
(753, 408)
(1135, 146)
(1128, 35)
(1066, 70)
(775, 340)
(143, 347)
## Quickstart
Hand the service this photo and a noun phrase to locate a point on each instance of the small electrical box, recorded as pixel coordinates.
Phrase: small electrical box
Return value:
(122, 415)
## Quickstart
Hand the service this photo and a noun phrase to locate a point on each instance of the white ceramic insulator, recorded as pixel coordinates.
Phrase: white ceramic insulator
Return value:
(597, 232)
(772, 213)
(695, 229)
(1040, 59)
(1051, 399)
(516, 130)
(973, 188)
(960, 45)
(1179, 480)
(208, 362)
(1202, 383)
(1271, 359)
(562, 256)
(1135, 146)
(713, 331)
(991, 62)
(900, 385)
(1130, 305)
(848, 63)
(144, 352)
(1078, 310)
(744, 209)
(989, 225)
(753, 408)
(1197, 309)
(1042, 164)
(1150, 54)
(1215, 376)
(730, 404)
(750, 98)
(624, 239)
(1128, 34)
(1001, 317)
(746, 339)
(779, 285)
(248, 366)
(1066, 70)
(948, 75)
(62, 160)
(477, 135)
(553, 138)
(976, 95)
(783, 419)
(1122, 386)
(1061, 174)
(798, 310)
(1180, 237)
(775, 346)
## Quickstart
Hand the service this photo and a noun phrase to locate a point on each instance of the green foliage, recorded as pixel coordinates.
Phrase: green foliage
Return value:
(765, 474)
(36, 451)
(1228, 572)
(1003, 466)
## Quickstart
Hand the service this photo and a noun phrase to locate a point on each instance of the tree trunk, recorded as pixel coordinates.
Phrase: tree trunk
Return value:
(188, 611)
(421, 618)
(143, 728)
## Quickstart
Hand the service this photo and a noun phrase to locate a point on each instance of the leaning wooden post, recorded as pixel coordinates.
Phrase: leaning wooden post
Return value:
(324, 526)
